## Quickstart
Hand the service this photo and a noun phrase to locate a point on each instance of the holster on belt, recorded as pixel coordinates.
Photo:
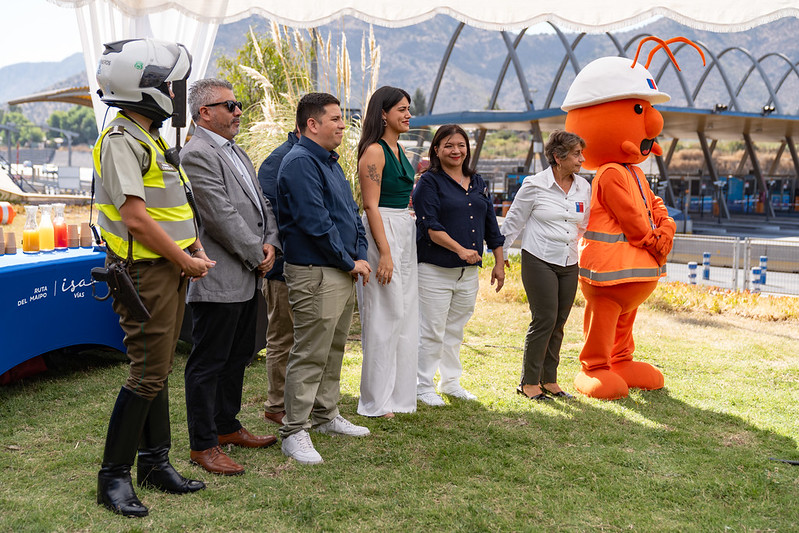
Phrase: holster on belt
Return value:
(120, 286)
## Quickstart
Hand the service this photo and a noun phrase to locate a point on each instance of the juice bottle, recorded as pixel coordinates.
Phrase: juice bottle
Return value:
(60, 227)
(46, 230)
(30, 233)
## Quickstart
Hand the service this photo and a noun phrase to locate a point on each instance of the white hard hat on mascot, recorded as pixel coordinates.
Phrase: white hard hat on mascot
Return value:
(610, 78)
(610, 105)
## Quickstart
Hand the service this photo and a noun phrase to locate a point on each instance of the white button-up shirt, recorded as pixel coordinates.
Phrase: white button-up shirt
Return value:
(553, 221)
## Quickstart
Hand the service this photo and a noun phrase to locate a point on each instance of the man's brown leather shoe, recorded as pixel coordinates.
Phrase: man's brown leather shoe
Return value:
(245, 439)
(216, 461)
(277, 418)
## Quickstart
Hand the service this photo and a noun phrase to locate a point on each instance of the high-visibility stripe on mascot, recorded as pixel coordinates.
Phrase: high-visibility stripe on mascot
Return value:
(629, 234)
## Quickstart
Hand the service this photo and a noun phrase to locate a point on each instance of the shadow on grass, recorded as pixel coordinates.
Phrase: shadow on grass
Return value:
(651, 460)
(722, 322)
(64, 363)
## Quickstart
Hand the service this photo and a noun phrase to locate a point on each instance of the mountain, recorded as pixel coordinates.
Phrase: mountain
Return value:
(22, 79)
(411, 57)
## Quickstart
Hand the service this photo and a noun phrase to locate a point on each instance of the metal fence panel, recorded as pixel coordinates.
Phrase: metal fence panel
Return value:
(732, 260)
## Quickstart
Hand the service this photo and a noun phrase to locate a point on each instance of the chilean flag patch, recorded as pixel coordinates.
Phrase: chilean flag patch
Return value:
(580, 207)
(651, 84)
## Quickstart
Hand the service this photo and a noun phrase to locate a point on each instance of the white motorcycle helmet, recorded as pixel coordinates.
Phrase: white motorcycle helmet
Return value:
(133, 74)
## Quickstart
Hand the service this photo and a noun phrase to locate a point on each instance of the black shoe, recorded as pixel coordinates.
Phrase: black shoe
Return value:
(538, 397)
(165, 478)
(154, 469)
(114, 486)
(559, 394)
(115, 491)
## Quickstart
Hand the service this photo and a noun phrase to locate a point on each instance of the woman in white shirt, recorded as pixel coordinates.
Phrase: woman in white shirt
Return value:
(552, 209)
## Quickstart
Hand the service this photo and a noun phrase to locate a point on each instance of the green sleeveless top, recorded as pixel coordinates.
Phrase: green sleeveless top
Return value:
(397, 182)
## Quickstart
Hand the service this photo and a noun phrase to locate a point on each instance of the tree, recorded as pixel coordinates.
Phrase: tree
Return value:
(262, 55)
(28, 133)
(79, 119)
(419, 108)
(418, 103)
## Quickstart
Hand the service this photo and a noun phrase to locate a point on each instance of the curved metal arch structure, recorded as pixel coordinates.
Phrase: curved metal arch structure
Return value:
(728, 85)
(680, 76)
(791, 68)
(772, 118)
(755, 65)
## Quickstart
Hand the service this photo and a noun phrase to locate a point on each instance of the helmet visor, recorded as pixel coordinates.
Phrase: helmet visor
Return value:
(176, 68)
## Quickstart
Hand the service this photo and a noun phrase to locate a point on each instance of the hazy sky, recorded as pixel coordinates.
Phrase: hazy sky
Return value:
(36, 30)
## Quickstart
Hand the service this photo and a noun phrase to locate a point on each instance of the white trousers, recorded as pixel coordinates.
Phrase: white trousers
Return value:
(390, 321)
(446, 303)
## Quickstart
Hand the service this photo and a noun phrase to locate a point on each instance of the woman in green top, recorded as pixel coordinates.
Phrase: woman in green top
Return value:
(389, 308)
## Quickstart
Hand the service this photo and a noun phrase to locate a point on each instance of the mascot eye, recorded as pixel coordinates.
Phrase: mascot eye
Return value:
(638, 109)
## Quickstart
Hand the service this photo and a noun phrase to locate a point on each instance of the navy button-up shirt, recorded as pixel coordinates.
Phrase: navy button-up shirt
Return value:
(467, 216)
(317, 217)
(267, 176)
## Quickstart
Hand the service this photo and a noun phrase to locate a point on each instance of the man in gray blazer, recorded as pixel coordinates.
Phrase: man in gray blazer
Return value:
(239, 232)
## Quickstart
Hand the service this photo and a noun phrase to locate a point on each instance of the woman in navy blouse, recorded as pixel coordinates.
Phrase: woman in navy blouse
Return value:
(454, 215)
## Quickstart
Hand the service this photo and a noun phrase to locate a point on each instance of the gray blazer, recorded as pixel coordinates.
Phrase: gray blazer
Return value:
(232, 230)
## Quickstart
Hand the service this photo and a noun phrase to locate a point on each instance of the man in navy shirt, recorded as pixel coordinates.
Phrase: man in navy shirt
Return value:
(324, 247)
(280, 325)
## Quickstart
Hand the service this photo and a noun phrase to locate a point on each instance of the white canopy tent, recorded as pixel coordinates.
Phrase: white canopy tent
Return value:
(581, 15)
(194, 22)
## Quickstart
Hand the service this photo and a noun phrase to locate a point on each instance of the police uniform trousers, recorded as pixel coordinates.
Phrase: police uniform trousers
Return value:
(151, 344)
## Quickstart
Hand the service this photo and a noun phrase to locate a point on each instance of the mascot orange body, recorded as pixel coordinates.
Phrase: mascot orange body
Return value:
(629, 234)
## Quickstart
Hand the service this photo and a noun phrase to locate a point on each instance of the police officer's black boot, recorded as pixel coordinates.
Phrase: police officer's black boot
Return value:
(153, 468)
(114, 486)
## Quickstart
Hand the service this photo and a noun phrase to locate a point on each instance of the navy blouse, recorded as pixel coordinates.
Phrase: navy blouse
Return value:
(467, 216)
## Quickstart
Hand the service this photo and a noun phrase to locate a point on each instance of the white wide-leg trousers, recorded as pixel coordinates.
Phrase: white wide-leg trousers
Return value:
(390, 321)
(446, 302)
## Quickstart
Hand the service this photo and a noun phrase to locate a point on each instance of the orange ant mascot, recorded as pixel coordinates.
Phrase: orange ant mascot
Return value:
(629, 234)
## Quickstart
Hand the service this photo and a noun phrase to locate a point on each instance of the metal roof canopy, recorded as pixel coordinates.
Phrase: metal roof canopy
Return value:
(74, 95)
(682, 123)
(678, 122)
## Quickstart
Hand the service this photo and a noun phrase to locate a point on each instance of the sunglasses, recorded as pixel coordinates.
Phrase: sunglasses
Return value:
(230, 104)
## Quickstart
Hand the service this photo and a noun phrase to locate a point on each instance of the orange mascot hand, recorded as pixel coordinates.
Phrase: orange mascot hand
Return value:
(662, 246)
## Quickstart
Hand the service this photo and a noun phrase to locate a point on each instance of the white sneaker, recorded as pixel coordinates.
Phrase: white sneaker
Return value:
(460, 393)
(299, 447)
(431, 398)
(342, 426)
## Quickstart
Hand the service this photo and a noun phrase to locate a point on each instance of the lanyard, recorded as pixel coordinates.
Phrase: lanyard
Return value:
(643, 196)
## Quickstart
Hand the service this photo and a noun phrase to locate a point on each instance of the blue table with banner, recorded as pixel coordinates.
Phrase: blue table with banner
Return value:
(47, 304)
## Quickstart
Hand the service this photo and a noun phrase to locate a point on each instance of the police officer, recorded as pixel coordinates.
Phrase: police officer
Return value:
(148, 223)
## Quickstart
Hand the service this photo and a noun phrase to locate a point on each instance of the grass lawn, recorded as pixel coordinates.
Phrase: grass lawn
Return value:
(691, 457)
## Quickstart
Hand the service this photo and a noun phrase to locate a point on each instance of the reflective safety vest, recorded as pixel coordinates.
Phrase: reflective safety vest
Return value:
(606, 256)
(165, 198)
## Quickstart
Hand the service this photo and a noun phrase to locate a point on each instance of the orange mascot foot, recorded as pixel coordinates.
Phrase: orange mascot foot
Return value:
(639, 375)
(602, 384)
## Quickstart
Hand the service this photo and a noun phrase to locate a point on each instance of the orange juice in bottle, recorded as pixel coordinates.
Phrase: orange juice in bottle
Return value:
(46, 230)
(30, 233)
